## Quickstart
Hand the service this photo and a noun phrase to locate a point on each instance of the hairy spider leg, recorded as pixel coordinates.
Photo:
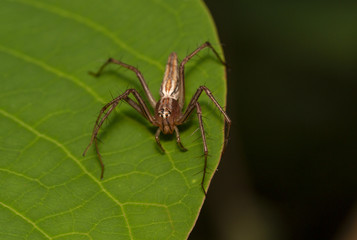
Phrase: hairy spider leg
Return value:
(112, 104)
(186, 59)
(136, 71)
(194, 104)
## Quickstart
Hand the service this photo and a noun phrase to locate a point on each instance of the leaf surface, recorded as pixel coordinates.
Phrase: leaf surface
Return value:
(48, 106)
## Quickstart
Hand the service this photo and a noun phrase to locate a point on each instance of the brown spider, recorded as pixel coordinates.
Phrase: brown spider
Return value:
(168, 110)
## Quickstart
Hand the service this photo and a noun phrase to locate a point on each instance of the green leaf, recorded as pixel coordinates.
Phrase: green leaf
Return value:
(48, 106)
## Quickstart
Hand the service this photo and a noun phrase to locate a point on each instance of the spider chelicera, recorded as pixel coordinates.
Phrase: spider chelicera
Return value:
(169, 109)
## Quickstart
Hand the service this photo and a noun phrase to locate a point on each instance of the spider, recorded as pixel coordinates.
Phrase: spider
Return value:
(168, 110)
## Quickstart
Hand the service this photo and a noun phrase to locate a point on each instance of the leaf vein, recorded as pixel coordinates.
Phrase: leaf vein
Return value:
(71, 156)
(91, 24)
(24, 176)
(51, 69)
(26, 219)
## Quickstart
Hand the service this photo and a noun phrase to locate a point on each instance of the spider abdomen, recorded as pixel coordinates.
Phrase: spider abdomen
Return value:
(170, 87)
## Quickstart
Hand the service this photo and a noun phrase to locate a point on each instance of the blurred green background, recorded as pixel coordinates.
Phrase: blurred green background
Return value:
(290, 169)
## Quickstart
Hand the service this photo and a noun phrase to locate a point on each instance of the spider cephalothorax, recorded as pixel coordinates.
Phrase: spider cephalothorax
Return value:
(166, 114)
(168, 110)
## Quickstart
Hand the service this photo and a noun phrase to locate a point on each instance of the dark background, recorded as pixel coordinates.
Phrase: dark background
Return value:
(290, 169)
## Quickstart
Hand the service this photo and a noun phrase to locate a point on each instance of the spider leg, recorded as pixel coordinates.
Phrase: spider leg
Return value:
(158, 140)
(192, 105)
(134, 105)
(141, 108)
(135, 70)
(97, 126)
(186, 59)
(178, 139)
(100, 158)
(205, 149)
(206, 44)
(99, 122)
